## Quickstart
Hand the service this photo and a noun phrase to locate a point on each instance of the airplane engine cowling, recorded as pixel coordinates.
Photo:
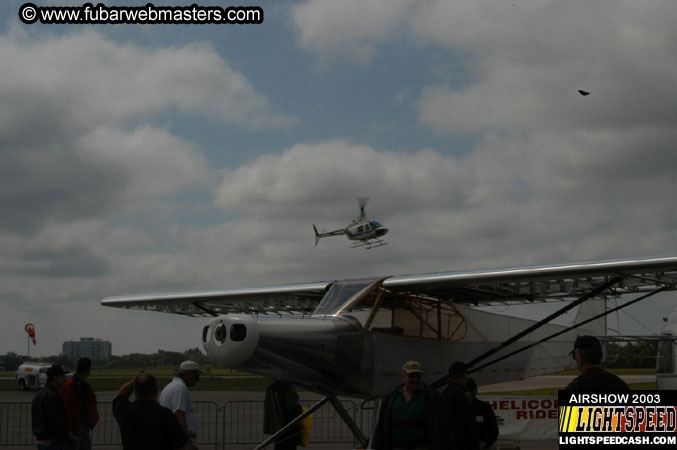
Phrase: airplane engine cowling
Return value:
(230, 340)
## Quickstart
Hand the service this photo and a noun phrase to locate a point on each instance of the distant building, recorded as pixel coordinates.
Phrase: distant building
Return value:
(92, 348)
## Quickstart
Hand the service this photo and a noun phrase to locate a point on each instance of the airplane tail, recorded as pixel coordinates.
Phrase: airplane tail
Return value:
(587, 310)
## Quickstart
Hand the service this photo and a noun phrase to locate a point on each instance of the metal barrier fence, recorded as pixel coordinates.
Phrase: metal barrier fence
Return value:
(235, 423)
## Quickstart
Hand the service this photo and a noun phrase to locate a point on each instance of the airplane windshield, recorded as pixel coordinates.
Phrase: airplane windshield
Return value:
(382, 311)
(334, 300)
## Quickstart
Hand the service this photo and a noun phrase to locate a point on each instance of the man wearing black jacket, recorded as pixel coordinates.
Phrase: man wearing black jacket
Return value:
(485, 418)
(462, 420)
(50, 423)
(413, 416)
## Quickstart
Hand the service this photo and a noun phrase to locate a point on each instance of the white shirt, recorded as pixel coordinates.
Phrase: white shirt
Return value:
(175, 396)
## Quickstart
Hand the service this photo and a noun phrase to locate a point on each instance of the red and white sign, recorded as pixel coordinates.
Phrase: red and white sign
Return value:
(525, 417)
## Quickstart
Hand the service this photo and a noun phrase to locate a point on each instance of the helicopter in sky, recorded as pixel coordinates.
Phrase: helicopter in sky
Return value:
(367, 233)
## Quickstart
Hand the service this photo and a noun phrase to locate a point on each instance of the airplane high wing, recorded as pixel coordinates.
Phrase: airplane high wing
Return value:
(445, 295)
(351, 337)
(481, 287)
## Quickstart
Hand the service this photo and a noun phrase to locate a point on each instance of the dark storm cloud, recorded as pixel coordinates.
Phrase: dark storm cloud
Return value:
(52, 183)
(71, 262)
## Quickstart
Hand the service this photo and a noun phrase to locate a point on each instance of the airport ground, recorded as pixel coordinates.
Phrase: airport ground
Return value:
(539, 383)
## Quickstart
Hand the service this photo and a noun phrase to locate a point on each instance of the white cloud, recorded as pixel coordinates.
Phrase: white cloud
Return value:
(348, 29)
(155, 162)
(523, 62)
(309, 175)
(90, 80)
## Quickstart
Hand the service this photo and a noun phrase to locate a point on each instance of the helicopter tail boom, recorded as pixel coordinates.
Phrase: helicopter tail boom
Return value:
(331, 233)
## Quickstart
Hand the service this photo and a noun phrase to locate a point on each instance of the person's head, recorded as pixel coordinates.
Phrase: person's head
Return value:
(189, 372)
(471, 388)
(83, 367)
(145, 386)
(458, 372)
(56, 376)
(412, 376)
(587, 351)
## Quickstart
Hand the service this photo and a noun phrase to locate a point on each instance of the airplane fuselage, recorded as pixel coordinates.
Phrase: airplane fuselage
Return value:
(336, 354)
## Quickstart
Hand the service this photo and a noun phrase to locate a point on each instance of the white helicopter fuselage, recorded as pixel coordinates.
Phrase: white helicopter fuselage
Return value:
(365, 230)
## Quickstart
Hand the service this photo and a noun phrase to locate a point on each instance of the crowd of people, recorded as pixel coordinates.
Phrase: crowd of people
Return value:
(411, 416)
(64, 412)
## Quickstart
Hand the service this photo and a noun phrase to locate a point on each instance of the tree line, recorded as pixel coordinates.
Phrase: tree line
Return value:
(623, 356)
(162, 358)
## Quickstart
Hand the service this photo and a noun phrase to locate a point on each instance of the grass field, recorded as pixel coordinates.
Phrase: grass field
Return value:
(212, 380)
(233, 380)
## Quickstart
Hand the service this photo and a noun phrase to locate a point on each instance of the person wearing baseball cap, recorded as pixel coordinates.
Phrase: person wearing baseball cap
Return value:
(463, 425)
(176, 397)
(412, 415)
(587, 353)
(49, 420)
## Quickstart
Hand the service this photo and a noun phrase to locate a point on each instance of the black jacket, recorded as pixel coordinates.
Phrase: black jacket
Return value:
(437, 419)
(49, 415)
(463, 425)
(487, 428)
(597, 380)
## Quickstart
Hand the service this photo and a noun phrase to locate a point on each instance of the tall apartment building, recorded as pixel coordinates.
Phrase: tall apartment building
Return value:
(92, 348)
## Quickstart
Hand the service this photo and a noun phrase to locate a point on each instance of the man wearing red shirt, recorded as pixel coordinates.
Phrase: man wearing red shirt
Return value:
(80, 402)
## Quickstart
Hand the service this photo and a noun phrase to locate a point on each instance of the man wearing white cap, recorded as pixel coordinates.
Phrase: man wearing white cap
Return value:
(176, 397)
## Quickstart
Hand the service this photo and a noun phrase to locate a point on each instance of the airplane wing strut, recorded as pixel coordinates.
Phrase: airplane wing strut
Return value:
(207, 310)
(573, 327)
(590, 294)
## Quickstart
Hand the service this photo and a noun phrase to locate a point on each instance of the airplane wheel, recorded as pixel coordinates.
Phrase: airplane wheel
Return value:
(22, 385)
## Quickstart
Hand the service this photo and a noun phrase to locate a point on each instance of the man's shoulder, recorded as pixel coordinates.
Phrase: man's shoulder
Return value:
(597, 379)
(454, 390)
(48, 392)
(176, 384)
(480, 402)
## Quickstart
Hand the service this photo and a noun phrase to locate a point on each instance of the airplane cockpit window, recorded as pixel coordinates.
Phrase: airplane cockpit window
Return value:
(405, 315)
(666, 357)
(382, 311)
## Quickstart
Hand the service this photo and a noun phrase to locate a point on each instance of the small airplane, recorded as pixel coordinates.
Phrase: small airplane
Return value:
(366, 232)
(351, 337)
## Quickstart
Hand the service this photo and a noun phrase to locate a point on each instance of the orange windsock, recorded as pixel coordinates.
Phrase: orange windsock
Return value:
(30, 329)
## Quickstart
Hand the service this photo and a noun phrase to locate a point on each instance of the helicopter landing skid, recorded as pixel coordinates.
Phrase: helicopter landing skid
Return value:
(372, 243)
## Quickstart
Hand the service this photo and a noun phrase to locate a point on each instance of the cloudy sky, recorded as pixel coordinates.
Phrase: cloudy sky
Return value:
(144, 158)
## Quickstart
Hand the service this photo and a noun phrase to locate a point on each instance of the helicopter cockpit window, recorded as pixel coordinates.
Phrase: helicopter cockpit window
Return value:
(334, 301)
(375, 225)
